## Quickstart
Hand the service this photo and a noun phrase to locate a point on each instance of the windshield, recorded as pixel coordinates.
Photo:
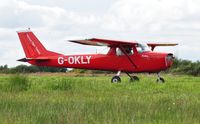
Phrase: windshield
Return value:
(142, 47)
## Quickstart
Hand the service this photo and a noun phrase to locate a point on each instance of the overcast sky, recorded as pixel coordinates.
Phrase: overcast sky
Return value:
(54, 22)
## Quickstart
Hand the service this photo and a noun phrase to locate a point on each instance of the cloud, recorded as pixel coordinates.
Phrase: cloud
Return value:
(15, 15)
(160, 16)
(143, 20)
(19, 13)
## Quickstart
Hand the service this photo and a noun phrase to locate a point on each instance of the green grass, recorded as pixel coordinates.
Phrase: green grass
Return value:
(94, 100)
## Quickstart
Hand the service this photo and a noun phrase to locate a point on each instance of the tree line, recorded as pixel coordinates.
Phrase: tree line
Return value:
(30, 69)
(185, 67)
(179, 67)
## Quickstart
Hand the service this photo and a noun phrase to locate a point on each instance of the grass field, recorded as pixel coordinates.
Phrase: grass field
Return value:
(94, 100)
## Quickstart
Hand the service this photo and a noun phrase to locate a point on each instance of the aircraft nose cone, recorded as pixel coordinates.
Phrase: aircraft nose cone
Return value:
(169, 59)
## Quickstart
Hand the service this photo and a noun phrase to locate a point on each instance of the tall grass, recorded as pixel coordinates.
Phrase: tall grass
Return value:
(61, 84)
(89, 100)
(18, 82)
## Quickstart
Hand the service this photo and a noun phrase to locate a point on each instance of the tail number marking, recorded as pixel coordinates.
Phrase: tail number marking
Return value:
(75, 60)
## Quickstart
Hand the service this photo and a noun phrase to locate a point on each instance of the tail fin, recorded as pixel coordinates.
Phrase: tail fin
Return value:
(32, 46)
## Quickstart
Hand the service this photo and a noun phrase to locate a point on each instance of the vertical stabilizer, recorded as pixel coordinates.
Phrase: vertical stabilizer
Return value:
(32, 46)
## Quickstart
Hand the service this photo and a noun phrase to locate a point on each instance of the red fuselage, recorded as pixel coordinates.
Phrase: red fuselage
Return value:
(145, 62)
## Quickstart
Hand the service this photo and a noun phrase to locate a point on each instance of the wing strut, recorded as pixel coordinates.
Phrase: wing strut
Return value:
(122, 49)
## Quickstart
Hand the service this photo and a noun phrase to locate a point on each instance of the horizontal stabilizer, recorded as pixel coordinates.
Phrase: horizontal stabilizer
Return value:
(162, 44)
(34, 59)
(153, 45)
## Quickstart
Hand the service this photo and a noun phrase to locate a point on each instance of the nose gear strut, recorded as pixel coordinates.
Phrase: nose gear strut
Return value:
(160, 79)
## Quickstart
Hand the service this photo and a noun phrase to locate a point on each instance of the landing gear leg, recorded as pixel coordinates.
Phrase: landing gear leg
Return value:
(160, 79)
(133, 78)
(116, 79)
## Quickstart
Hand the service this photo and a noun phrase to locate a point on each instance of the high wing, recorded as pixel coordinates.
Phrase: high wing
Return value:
(153, 45)
(103, 42)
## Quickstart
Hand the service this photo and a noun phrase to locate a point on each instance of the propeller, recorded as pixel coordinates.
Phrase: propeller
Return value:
(177, 52)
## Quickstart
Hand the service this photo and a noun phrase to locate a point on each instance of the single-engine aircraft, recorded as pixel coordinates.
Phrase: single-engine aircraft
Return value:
(123, 56)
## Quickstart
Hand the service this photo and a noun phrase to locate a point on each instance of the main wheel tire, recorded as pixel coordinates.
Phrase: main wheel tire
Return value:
(116, 79)
(161, 80)
(134, 78)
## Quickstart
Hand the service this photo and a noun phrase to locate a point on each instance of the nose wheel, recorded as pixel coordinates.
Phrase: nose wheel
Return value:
(160, 79)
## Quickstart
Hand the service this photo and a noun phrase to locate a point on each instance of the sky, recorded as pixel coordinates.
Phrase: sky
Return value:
(56, 21)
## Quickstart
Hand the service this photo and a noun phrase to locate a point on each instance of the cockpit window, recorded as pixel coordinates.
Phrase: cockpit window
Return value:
(128, 50)
(142, 47)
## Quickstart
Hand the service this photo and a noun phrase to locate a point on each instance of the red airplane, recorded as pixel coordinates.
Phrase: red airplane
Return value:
(123, 56)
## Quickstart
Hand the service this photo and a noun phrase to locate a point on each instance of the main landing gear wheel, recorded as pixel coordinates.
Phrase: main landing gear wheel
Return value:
(116, 79)
(134, 78)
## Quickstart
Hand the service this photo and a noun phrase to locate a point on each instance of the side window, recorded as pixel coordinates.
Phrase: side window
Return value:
(119, 52)
(128, 50)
